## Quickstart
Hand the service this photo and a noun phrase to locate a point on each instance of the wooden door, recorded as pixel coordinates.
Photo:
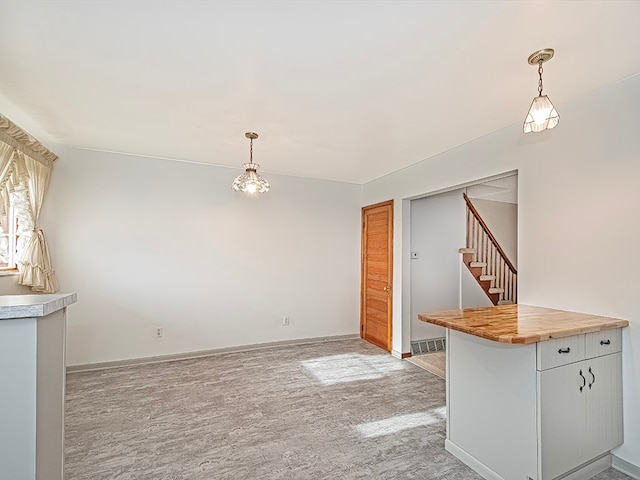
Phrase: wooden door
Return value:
(376, 275)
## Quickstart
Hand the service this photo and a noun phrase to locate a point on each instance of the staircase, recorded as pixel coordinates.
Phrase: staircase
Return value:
(487, 261)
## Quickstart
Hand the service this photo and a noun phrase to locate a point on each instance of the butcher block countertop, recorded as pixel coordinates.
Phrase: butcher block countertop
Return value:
(520, 323)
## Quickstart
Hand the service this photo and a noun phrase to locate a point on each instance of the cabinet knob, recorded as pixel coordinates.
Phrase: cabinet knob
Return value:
(605, 342)
(564, 350)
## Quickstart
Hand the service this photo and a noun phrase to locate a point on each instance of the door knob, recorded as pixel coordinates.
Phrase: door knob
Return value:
(387, 288)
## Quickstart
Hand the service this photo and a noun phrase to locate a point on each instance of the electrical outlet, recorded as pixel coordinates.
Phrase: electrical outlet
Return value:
(158, 332)
(285, 321)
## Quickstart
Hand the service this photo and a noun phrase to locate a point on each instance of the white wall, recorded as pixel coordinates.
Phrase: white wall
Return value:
(9, 286)
(148, 242)
(472, 294)
(578, 215)
(437, 232)
(502, 220)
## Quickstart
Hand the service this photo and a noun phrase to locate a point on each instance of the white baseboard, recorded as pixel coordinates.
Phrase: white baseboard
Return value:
(203, 353)
(471, 461)
(589, 470)
(396, 354)
(626, 467)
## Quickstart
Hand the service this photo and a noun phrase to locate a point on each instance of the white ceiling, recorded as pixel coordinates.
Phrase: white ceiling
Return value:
(346, 91)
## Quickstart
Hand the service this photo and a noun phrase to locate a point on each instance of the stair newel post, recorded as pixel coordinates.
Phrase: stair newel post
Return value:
(467, 229)
(486, 247)
(481, 242)
(480, 245)
(512, 296)
(500, 277)
(481, 238)
(495, 264)
(494, 269)
(473, 235)
(507, 275)
(475, 238)
(511, 292)
(505, 282)
(510, 288)
(504, 277)
(476, 243)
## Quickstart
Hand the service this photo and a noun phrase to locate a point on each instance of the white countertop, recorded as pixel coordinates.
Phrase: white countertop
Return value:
(29, 306)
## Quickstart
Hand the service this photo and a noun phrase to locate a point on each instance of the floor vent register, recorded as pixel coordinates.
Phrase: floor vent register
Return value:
(429, 345)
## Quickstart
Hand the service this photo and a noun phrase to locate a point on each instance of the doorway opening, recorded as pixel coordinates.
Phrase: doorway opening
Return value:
(438, 279)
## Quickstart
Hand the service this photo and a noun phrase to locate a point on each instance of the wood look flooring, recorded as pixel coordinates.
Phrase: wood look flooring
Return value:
(435, 363)
(334, 410)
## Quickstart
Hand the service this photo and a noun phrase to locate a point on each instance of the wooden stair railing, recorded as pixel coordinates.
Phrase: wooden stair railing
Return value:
(486, 260)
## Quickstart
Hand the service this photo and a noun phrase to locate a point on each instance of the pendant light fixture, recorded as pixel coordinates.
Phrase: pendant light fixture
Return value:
(542, 114)
(250, 181)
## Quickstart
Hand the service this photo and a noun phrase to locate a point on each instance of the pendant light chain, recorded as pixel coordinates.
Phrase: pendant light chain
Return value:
(251, 149)
(540, 75)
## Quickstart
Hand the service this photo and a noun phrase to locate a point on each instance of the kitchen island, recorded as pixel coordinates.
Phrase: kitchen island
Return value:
(32, 379)
(532, 393)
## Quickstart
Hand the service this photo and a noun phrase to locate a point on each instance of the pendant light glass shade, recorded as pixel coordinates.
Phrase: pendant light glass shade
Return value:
(250, 181)
(542, 115)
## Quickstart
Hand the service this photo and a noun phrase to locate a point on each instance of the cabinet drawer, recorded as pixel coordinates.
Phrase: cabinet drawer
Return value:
(603, 342)
(560, 351)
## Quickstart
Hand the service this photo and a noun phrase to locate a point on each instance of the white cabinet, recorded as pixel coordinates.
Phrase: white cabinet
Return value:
(517, 412)
(32, 385)
(604, 405)
(580, 403)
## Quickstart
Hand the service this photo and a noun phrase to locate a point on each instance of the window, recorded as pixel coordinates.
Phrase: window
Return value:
(9, 240)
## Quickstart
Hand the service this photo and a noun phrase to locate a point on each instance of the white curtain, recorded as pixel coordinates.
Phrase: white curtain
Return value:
(34, 264)
(25, 170)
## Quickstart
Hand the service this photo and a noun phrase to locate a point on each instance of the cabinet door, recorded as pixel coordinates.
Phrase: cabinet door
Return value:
(562, 419)
(603, 404)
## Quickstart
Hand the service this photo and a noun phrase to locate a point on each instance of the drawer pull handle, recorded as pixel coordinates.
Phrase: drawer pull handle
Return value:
(605, 342)
(584, 381)
(564, 350)
(594, 378)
